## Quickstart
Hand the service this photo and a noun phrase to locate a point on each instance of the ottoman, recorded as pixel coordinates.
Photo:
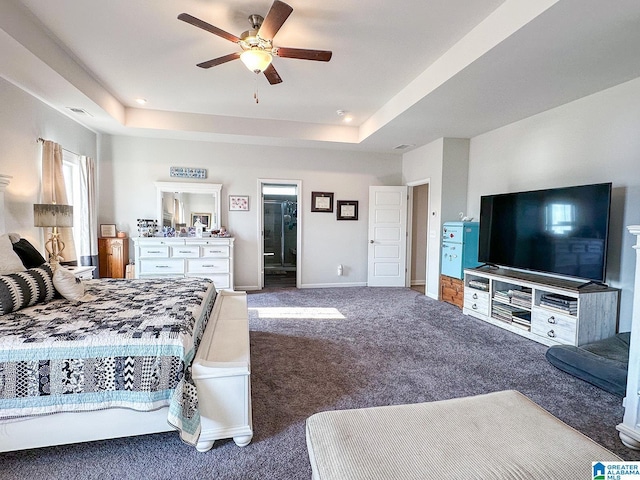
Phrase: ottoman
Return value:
(497, 435)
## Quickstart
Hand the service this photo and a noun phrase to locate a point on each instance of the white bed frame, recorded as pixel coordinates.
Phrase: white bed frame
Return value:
(221, 371)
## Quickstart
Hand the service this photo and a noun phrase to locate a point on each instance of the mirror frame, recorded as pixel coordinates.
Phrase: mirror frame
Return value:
(214, 189)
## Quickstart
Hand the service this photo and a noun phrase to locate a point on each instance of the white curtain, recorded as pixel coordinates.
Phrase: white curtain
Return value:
(53, 191)
(88, 217)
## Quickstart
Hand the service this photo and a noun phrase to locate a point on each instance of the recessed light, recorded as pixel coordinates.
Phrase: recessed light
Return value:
(141, 101)
(346, 117)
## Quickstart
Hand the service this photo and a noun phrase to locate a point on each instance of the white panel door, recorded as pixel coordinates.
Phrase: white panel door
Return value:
(387, 236)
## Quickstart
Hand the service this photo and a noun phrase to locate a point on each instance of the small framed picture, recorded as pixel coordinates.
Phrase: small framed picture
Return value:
(321, 202)
(107, 230)
(239, 202)
(205, 219)
(347, 210)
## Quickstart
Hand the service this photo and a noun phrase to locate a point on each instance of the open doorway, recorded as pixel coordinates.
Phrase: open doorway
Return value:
(419, 225)
(280, 233)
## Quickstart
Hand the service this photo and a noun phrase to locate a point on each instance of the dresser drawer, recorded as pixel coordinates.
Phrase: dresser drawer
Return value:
(185, 251)
(215, 251)
(476, 300)
(161, 266)
(208, 266)
(557, 326)
(220, 280)
(154, 251)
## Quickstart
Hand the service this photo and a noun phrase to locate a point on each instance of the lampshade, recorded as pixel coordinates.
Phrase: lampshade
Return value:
(52, 215)
(256, 60)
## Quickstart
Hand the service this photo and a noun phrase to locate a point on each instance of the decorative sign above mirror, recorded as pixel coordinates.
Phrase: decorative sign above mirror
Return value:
(186, 172)
(180, 204)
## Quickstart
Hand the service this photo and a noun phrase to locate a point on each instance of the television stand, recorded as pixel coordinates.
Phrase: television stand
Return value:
(545, 309)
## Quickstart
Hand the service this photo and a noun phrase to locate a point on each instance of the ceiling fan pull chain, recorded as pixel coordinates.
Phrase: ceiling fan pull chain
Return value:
(255, 93)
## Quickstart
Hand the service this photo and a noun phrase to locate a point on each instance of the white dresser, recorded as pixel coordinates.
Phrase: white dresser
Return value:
(185, 257)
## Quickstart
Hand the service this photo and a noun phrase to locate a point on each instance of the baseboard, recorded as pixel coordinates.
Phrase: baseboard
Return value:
(246, 288)
(418, 283)
(332, 285)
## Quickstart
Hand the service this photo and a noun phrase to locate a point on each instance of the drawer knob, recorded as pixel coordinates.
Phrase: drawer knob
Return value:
(474, 306)
(209, 266)
(162, 266)
(475, 296)
(551, 333)
(154, 251)
(552, 320)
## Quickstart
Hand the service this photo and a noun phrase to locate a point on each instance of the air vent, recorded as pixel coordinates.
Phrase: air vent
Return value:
(79, 111)
(404, 146)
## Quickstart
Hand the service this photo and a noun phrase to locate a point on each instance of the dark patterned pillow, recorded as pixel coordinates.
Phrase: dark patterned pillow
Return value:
(24, 289)
(28, 254)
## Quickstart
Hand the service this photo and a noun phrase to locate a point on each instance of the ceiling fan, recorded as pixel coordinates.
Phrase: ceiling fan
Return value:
(257, 43)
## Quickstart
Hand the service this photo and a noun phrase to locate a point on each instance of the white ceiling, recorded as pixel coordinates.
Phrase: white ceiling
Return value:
(408, 71)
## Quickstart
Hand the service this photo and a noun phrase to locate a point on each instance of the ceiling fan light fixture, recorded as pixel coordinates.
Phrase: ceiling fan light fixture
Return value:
(256, 60)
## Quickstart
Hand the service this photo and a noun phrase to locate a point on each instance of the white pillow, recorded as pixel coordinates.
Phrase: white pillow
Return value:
(67, 284)
(9, 260)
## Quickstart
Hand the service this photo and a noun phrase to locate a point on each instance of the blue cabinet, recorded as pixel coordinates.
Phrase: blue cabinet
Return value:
(459, 248)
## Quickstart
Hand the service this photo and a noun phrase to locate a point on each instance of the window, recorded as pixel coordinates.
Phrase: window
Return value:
(71, 172)
(560, 218)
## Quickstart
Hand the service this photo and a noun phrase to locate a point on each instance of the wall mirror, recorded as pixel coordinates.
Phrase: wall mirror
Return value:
(181, 204)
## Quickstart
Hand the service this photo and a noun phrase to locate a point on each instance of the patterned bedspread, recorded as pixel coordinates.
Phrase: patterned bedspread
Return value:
(132, 347)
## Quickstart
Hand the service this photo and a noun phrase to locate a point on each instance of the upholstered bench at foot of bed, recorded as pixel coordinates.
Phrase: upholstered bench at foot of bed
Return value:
(222, 374)
(497, 435)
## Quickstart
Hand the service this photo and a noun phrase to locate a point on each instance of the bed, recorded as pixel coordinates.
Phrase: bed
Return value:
(128, 357)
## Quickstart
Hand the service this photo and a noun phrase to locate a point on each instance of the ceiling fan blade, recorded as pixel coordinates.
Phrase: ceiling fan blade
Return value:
(303, 54)
(185, 17)
(278, 14)
(272, 75)
(219, 60)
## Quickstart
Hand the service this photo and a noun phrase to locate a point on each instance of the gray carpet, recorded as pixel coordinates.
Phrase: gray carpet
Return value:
(393, 346)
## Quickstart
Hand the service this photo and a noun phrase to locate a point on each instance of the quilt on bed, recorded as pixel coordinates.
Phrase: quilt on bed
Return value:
(131, 346)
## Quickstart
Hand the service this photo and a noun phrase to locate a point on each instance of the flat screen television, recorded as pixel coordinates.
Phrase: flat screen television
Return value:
(560, 231)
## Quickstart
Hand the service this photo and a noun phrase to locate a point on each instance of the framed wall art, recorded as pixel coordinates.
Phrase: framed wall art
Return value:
(322, 201)
(239, 202)
(347, 210)
(108, 230)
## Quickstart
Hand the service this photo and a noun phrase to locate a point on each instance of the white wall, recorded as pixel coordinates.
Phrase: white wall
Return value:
(591, 140)
(23, 119)
(425, 163)
(129, 165)
(443, 163)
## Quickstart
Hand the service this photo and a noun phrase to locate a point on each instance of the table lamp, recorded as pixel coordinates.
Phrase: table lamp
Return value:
(51, 215)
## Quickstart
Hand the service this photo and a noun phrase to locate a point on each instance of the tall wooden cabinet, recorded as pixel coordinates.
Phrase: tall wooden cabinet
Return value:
(113, 256)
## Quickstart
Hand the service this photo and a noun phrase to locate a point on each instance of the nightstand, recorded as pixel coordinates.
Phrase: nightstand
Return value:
(83, 273)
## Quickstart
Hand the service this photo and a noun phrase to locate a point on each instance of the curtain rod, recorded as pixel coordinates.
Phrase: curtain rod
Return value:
(40, 139)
